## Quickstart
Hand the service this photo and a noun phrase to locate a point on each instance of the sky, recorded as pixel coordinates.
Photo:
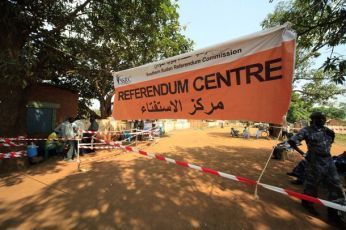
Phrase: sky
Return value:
(209, 22)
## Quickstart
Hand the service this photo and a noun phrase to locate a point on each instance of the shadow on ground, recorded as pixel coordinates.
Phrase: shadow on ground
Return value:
(134, 192)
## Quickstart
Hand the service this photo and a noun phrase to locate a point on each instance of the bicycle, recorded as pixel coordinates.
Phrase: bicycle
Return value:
(263, 133)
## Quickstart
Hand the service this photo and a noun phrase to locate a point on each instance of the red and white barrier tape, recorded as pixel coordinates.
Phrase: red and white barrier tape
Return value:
(39, 139)
(232, 177)
(101, 132)
(338, 129)
(12, 154)
(11, 138)
(112, 143)
(106, 132)
(8, 141)
(90, 144)
(332, 128)
(5, 140)
(92, 132)
(10, 144)
(286, 192)
(97, 147)
(131, 137)
(138, 131)
(55, 139)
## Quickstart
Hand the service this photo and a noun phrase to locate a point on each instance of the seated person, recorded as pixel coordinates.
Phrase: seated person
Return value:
(246, 133)
(52, 143)
(234, 132)
(259, 131)
(127, 136)
(299, 172)
(88, 137)
(279, 149)
(340, 163)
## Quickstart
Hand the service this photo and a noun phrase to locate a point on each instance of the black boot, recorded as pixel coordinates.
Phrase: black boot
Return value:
(336, 218)
(292, 174)
(297, 182)
(309, 207)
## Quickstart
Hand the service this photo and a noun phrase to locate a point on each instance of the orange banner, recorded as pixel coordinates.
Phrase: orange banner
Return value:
(255, 87)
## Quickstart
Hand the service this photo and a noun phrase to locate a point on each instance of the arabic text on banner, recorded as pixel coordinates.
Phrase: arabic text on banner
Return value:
(246, 79)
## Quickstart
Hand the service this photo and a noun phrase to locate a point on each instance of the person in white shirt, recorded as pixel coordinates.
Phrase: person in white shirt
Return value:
(69, 133)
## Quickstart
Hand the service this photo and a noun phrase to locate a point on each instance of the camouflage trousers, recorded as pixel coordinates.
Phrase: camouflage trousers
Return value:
(322, 170)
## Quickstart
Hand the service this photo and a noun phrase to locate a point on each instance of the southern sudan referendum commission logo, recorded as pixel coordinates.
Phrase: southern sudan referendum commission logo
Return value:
(123, 80)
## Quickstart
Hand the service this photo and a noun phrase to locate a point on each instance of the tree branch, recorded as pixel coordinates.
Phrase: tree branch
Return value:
(90, 111)
(302, 92)
(69, 17)
(328, 23)
(309, 78)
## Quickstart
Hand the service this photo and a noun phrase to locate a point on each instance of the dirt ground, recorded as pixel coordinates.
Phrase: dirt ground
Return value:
(119, 190)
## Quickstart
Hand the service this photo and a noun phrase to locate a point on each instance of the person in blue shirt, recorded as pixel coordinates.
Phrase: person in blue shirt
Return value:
(320, 166)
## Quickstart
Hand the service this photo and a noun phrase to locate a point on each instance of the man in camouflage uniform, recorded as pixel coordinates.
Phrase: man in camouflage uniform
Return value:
(320, 166)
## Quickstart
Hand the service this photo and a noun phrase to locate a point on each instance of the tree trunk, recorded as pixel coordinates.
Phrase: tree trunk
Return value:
(106, 106)
(13, 110)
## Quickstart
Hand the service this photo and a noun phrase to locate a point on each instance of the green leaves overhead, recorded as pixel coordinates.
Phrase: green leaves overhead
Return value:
(31, 38)
(320, 26)
(320, 69)
(76, 44)
(117, 35)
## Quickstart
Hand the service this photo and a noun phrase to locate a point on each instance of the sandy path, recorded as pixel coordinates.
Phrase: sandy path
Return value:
(129, 191)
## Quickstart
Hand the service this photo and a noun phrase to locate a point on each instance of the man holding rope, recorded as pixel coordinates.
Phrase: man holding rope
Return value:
(320, 166)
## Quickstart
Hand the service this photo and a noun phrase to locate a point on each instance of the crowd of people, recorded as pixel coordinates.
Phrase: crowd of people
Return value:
(64, 138)
(262, 131)
(317, 167)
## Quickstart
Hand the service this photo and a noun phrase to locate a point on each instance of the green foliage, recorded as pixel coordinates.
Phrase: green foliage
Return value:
(340, 139)
(319, 91)
(116, 36)
(332, 112)
(299, 109)
(320, 27)
(31, 38)
(76, 45)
